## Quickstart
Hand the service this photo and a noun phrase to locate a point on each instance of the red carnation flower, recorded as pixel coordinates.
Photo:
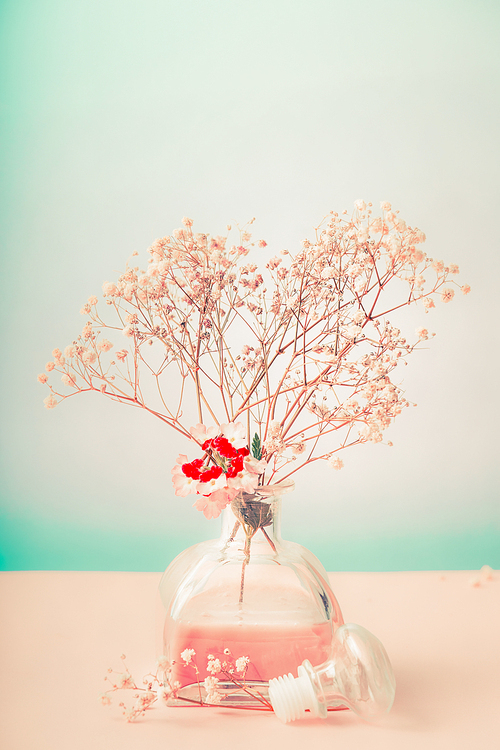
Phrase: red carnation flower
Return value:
(224, 447)
(192, 470)
(213, 472)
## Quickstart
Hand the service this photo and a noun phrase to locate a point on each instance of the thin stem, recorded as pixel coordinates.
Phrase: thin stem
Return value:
(245, 562)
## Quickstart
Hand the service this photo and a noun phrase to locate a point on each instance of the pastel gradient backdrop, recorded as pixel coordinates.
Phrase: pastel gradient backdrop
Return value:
(118, 119)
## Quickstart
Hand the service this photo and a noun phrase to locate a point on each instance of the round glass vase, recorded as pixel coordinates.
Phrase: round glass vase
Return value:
(247, 594)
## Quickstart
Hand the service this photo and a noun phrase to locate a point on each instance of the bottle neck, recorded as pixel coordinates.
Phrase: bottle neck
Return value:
(254, 517)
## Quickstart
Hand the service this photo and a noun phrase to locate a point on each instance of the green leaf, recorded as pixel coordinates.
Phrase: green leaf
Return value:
(256, 447)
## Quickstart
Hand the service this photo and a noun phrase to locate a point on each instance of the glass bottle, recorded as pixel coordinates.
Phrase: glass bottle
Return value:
(248, 594)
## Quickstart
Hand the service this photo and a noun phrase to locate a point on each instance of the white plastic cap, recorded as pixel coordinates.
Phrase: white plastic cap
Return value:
(292, 696)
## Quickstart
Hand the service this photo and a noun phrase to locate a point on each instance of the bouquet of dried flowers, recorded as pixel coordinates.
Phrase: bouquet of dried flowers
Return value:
(287, 363)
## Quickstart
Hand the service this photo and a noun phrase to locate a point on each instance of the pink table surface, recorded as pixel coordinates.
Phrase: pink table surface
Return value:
(60, 632)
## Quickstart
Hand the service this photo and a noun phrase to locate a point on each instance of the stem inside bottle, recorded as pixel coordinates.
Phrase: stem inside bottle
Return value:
(253, 514)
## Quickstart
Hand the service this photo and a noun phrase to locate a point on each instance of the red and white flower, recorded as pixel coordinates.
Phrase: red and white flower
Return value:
(226, 468)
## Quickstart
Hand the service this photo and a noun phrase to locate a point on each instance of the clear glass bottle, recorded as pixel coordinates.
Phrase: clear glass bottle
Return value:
(248, 594)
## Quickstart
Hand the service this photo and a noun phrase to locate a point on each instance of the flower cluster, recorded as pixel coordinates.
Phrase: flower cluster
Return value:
(228, 670)
(158, 687)
(153, 689)
(303, 351)
(226, 468)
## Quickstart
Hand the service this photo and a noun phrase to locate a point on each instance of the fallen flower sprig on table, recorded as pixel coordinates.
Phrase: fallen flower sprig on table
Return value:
(158, 688)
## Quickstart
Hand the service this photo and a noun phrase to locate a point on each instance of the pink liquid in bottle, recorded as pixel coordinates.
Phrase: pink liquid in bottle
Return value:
(275, 644)
(272, 649)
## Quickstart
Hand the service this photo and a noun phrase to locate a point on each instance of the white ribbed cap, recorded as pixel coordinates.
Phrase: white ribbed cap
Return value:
(291, 696)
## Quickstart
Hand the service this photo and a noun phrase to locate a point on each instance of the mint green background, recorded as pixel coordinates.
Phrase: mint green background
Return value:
(117, 120)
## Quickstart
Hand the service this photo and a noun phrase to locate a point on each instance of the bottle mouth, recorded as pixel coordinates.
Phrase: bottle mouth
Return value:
(275, 490)
(292, 696)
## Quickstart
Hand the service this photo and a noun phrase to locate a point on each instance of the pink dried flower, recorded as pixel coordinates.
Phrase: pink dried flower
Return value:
(50, 402)
(210, 685)
(330, 272)
(121, 355)
(274, 262)
(42, 378)
(213, 666)
(128, 291)
(88, 357)
(109, 289)
(336, 463)
(187, 655)
(67, 380)
(145, 700)
(49, 366)
(242, 663)
(214, 697)
(104, 345)
(447, 294)
(465, 289)
(274, 428)
(153, 270)
(125, 680)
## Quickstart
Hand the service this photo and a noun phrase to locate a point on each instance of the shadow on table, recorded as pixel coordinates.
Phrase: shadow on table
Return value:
(431, 695)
